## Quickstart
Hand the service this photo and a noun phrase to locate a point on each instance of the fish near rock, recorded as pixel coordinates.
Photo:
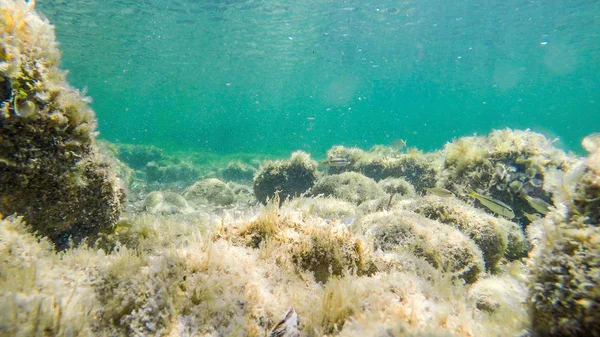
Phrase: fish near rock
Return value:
(440, 192)
(494, 205)
(335, 162)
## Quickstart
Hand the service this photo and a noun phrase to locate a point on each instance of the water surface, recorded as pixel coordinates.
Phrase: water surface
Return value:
(233, 76)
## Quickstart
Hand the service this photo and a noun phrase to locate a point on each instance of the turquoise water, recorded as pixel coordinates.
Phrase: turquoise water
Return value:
(233, 76)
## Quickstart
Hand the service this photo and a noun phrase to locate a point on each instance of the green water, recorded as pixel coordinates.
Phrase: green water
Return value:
(233, 76)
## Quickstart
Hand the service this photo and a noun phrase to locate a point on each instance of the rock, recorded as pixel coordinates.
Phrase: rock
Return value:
(209, 191)
(288, 178)
(51, 171)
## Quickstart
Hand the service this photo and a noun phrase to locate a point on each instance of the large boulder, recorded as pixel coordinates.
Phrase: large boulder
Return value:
(51, 171)
(564, 291)
(287, 178)
(210, 191)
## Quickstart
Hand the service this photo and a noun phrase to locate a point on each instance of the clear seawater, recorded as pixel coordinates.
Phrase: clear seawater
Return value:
(271, 77)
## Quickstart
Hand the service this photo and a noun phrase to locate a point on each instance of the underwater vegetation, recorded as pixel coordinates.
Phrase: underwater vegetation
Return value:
(372, 243)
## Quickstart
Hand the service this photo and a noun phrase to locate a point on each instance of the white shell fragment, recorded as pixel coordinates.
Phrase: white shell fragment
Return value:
(288, 326)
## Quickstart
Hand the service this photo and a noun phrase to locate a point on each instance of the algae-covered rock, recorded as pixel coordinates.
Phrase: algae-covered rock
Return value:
(484, 229)
(420, 169)
(350, 186)
(238, 172)
(315, 246)
(288, 178)
(397, 186)
(406, 262)
(326, 253)
(564, 292)
(138, 156)
(327, 208)
(507, 165)
(35, 282)
(165, 202)
(444, 247)
(51, 171)
(171, 172)
(242, 193)
(138, 295)
(517, 245)
(500, 294)
(211, 191)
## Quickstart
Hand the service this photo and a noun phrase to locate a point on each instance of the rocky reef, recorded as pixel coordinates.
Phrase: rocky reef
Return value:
(493, 235)
(416, 167)
(508, 165)
(351, 256)
(565, 263)
(51, 170)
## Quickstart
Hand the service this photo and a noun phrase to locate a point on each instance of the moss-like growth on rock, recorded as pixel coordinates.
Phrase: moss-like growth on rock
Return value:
(505, 165)
(350, 186)
(238, 172)
(41, 292)
(210, 191)
(502, 295)
(139, 295)
(166, 202)
(172, 276)
(167, 172)
(419, 169)
(518, 245)
(321, 249)
(444, 247)
(138, 156)
(327, 209)
(397, 186)
(326, 253)
(485, 230)
(565, 284)
(287, 178)
(51, 170)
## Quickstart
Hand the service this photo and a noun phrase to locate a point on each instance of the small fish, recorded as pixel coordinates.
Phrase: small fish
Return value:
(536, 203)
(494, 205)
(336, 162)
(288, 327)
(389, 204)
(532, 216)
(399, 144)
(440, 192)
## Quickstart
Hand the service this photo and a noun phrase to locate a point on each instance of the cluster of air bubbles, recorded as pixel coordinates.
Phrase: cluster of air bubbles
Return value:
(514, 180)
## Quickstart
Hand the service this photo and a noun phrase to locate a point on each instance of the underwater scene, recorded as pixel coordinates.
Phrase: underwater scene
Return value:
(299, 168)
